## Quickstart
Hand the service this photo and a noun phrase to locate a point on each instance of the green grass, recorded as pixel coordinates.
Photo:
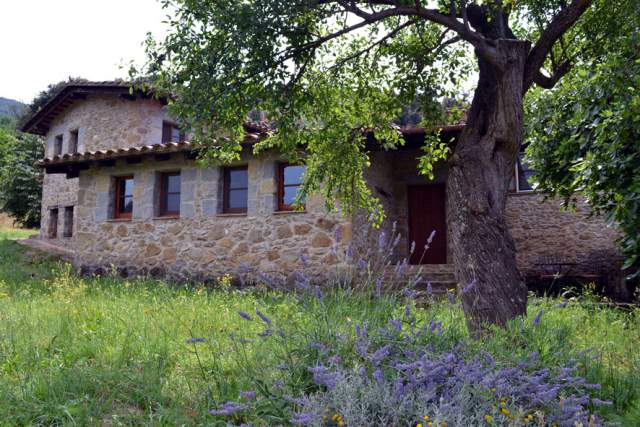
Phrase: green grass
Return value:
(16, 233)
(109, 351)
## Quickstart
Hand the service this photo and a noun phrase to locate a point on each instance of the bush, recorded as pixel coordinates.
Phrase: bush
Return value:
(20, 180)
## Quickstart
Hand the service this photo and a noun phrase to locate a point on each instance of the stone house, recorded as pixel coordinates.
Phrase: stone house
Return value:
(123, 190)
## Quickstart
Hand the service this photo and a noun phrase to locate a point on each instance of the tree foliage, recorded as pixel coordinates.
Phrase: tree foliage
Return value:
(584, 136)
(20, 180)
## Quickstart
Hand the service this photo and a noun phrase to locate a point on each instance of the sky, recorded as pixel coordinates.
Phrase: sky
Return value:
(45, 41)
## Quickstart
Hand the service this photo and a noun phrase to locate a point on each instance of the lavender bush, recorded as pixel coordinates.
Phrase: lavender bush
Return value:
(401, 377)
(402, 366)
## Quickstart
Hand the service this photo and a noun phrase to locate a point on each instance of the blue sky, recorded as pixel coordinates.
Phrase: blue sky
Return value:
(45, 41)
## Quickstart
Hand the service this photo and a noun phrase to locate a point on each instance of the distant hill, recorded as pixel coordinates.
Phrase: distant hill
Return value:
(10, 107)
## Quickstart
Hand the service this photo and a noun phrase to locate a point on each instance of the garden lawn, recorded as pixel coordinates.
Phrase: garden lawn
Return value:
(110, 351)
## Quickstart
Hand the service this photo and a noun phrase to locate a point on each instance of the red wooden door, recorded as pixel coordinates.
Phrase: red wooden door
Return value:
(426, 214)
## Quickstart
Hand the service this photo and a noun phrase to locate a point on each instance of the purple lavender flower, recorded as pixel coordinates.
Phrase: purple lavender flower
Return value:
(278, 384)
(264, 318)
(431, 236)
(407, 311)
(410, 293)
(536, 320)
(396, 324)
(318, 292)
(362, 264)
(244, 315)
(378, 376)
(335, 360)
(249, 394)
(563, 304)
(282, 366)
(396, 240)
(303, 258)
(350, 251)
(196, 340)
(379, 286)
(338, 234)
(303, 418)
(266, 279)
(381, 354)
(382, 240)
(429, 289)
(228, 408)
(323, 377)
(469, 287)
(265, 333)
(451, 297)
(413, 247)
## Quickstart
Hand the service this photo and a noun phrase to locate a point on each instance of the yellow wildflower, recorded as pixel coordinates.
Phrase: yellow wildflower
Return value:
(488, 418)
(419, 425)
(426, 418)
(493, 390)
(505, 411)
(444, 424)
(429, 424)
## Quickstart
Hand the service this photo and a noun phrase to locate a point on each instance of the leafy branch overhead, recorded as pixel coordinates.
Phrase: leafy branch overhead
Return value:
(329, 72)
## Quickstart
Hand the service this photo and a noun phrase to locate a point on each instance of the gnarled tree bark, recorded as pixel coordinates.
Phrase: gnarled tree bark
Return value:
(480, 169)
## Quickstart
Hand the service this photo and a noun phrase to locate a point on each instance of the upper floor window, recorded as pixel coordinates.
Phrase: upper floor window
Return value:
(73, 141)
(289, 183)
(57, 145)
(170, 132)
(522, 176)
(169, 194)
(123, 197)
(236, 189)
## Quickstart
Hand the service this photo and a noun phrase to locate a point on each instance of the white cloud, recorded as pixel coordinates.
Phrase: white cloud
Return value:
(45, 41)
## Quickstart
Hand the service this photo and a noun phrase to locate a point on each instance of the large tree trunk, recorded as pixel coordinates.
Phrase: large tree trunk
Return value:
(480, 170)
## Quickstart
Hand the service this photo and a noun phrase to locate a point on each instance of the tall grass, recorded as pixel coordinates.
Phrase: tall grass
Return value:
(91, 351)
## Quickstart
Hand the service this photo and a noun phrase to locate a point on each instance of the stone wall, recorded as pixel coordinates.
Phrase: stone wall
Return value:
(542, 229)
(58, 192)
(203, 243)
(102, 122)
(106, 121)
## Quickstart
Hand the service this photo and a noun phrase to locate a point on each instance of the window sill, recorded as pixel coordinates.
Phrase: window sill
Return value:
(119, 220)
(292, 212)
(231, 214)
(166, 217)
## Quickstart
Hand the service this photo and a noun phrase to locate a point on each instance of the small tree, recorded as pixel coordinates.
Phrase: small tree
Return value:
(329, 70)
(20, 180)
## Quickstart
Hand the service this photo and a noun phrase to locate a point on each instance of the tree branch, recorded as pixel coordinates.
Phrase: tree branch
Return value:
(549, 82)
(560, 24)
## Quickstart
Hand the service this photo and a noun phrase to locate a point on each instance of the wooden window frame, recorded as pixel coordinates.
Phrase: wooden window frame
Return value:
(119, 188)
(226, 190)
(57, 145)
(282, 206)
(67, 230)
(164, 181)
(166, 139)
(516, 178)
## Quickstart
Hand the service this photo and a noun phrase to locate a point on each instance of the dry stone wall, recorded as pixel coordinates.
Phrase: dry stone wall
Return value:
(543, 231)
